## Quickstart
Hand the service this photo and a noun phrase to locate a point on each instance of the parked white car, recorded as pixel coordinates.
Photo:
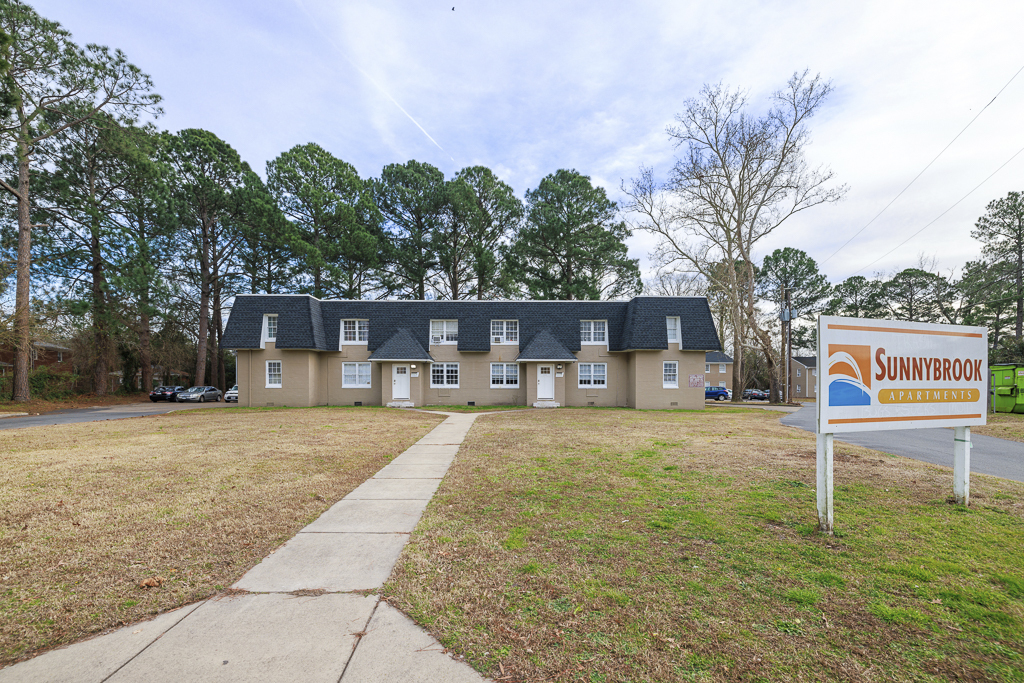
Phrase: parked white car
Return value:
(231, 395)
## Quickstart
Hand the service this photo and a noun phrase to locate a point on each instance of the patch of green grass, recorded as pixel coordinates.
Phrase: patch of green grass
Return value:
(803, 596)
(667, 546)
(828, 579)
(515, 540)
(897, 615)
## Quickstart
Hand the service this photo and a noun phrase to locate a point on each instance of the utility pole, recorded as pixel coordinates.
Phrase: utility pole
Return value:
(789, 345)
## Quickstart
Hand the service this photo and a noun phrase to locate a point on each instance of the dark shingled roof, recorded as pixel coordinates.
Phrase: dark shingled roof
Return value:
(807, 361)
(544, 346)
(307, 323)
(716, 357)
(401, 346)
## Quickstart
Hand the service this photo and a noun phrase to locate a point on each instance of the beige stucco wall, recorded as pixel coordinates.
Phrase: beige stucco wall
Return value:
(474, 377)
(713, 377)
(615, 393)
(650, 392)
(311, 378)
(299, 378)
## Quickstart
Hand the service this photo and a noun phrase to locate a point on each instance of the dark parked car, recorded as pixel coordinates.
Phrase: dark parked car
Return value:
(716, 393)
(199, 395)
(755, 395)
(165, 393)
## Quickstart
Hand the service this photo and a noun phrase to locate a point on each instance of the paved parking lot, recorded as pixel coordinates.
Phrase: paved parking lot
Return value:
(100, 413)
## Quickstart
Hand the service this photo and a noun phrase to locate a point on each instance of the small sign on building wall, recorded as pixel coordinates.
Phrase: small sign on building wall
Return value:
(696, 381)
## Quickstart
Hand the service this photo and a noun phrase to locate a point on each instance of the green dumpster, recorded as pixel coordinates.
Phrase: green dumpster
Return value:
(1008, 388)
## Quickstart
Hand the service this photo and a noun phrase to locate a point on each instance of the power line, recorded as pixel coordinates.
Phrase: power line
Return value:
(893, 201)
(941, 214)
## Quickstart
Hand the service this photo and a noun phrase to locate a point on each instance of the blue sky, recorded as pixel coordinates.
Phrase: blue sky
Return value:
(530, 87)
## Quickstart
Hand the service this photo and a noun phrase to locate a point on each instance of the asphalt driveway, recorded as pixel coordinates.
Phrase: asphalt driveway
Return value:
(998, 457)
(100, 413)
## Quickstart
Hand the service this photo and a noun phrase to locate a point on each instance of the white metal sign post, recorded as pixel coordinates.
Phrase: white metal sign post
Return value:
(888, 374)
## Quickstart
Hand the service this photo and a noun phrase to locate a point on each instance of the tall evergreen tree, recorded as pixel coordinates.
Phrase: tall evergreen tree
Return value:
(412, 198)
(52, 85)
(207, 173)
(493, 214)
(336, 236)
(572, 246)
(1001, 232)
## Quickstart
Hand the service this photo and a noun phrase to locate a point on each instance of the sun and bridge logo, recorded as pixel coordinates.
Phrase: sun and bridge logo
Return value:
(849, 375)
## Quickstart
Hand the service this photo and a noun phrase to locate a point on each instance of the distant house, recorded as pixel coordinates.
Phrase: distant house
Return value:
(54, 356)
(301, 351)
(717, 370)
(803, 378)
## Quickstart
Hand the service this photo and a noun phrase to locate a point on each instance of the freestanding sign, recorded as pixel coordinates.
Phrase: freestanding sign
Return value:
(889, 374)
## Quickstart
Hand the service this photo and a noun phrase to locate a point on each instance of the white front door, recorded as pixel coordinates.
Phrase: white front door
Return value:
(545, 383)
(400, 382)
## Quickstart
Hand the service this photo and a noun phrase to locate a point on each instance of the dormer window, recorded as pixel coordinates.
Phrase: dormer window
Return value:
(355, 331)
(269, 329)
(593, 331)
(504, 331)
(444, 331)
(672, 327)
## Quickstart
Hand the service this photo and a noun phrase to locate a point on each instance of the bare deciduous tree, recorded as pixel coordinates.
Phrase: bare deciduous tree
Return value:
(739, 177)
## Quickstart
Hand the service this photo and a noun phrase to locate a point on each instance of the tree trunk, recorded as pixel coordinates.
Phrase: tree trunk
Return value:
(145, 350)
(204, 301)
(100, 333)
(22, 331)
(216, 360)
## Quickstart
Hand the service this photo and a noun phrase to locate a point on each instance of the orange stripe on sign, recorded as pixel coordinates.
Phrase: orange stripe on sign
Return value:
(862, 420)
(937, 333)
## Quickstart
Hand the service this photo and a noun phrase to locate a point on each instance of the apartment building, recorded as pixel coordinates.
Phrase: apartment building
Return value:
(718, 370)
(803, 378)
(296, 350)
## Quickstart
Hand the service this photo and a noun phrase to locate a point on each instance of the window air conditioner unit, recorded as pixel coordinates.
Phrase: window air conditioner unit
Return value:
(436, 339)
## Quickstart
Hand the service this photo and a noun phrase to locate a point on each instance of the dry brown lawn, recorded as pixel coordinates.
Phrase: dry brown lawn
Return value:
(621, 545)
(37, 406)
(1003, 425)
(89, 511)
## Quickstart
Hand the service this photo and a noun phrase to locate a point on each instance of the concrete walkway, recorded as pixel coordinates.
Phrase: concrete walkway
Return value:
(304, 616)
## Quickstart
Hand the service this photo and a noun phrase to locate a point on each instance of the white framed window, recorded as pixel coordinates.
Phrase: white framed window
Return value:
(504, 376)
(721, 368)
(798, 388)
(444, 375)
(672, 326)
(593, 375)
(721, 385)
(593, 331)
(707, 368)
(798, 372)
(355, 331)
(444, 331)
(355, 375)
(670, 374)
(269, 329)
(707, 383)
(814, 373)
(504, 331)
(60, 356)
(274, 375)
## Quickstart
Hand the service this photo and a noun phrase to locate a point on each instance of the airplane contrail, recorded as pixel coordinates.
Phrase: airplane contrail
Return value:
(368, 77)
